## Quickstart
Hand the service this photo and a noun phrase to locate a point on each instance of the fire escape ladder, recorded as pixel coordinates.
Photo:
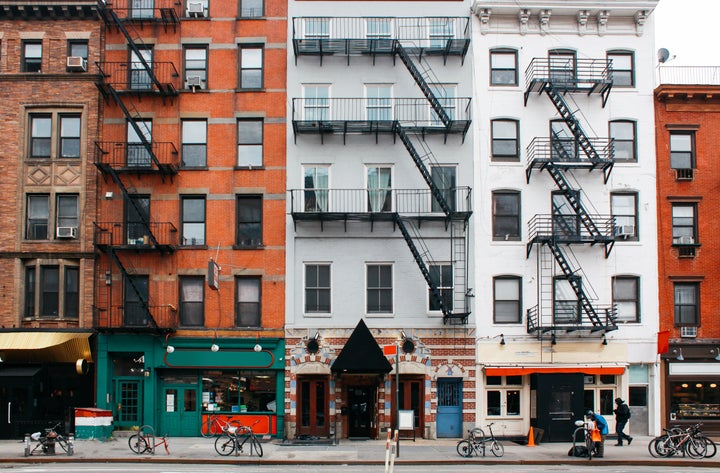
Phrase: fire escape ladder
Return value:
(421, 79)
(459, 267)
(420, 161)
(575, 283)
(129, 281)
(573, 200)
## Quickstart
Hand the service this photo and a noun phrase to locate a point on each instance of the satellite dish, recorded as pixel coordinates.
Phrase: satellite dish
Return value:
(663, 54)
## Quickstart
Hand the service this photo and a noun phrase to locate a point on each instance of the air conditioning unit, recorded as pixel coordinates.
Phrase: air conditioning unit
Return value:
(194, 81)
(66, 232)
(688, 332)
(625, 231)
(684, 240)
(195, 9)
(77, 63)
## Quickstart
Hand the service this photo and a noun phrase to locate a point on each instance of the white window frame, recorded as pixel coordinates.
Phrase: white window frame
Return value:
(305, 288)
(379, 101)
(504, 389)
(322, 103)
(393, 287)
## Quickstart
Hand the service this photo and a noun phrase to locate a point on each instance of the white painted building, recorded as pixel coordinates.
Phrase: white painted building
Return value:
(380, 175)
(566, 294)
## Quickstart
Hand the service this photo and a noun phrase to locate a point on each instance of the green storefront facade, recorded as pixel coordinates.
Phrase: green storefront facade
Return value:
(173, 384)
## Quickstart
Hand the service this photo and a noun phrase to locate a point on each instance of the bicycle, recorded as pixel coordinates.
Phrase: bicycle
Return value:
(688, 441)
(46, 441)
(235, 438)
(215, 426)
(476, 443)
(146, 441)
(589, 447)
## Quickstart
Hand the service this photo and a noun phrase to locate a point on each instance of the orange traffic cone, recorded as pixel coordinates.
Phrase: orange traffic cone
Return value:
(531, 438)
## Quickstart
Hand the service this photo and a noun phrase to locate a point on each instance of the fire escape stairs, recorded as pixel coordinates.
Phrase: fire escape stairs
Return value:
(138, 293)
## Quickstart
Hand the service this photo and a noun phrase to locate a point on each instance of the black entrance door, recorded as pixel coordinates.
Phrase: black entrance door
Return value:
(559, 404)
(361, 400)
(16, 402)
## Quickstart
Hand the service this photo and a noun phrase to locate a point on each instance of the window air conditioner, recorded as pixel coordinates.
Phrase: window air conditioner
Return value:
(688, 332)
(684, 240)
(66, 232)
(195, 9)
(194, 81)
(625, 231)
(77, 63)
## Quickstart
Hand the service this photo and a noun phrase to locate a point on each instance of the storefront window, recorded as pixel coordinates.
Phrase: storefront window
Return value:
(600, 393)
(511, 402)
(238, 391)
(695, 400)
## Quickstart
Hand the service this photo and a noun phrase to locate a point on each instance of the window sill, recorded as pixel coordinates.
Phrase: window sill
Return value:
(242, 248)
(241, 90)
(250, 168)
(192, 247)
(386, 315)
(317, 315)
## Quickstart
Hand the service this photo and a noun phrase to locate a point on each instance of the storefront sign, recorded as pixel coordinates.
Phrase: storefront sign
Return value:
(710, 369)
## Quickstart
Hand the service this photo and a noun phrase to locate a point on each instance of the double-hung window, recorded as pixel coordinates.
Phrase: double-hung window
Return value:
(141, 66)
(194, 143)
(316, 102)
(622, 133)
(445, 179)
(138, 154)
(38, 217)
(446, 95)
(66, 208)
(441, 31)
(55, 293)
(687, 304)
(505, 140)
(623, 206)
(252, 8)
(247, 301)
(379, 287)
(196, 57)
(55, 134)
(249, 221)
(379, 188)
(40, 135)
(503, 67)
(507, 300)
(192, 301)
(682, 153)
(626, 297)
(503, 395)
(251, 67)
(317, 288)
(316, 188)
(623, 68)
(684, 225)
(32, 55)
(442, 277)
(250, 142)
(506, 215)
(193, 220)
(379, 102)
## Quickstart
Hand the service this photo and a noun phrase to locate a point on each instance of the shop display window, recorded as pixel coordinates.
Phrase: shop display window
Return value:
(238, 391)
(695, 400)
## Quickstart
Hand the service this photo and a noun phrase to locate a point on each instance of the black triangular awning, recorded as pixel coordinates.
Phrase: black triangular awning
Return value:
(361, 354)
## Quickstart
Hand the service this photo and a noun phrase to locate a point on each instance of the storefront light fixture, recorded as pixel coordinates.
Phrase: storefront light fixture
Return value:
(502, 339)
(257, 347)
(679, 356)
(170, 349)
(604, 340)
(717, 356)
(214, 347)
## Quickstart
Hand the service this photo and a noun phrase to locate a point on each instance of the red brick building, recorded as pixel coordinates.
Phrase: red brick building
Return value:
(688, 136)
(190, 229)
(49, 121)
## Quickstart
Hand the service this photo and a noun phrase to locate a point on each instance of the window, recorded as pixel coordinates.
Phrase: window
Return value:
(626, 297)
(379, 289)
(505, 140)
(503, 395)
(682, 150)
(142, 8)
(140, 76)
(507, 300)
(78, 48)
(138, 155)
(251, 67)
(565, 299)
(316, 182)
(563, 145)
(687, 304)
(247, 305)
(622, 132)
(503, 67)
(446, 95)
(623, 207)
(599, 394)
(55, 134)
(249, 221)
(316, 103)
(194, 143)
(252, 8)
(196, 67)
(623, 66)
(379, 188)
(250, 143)
(684, 224)
(563, 68)
(442, 277)
(38, 217)
(40, 135)
(317, 28)
(67, 211)
(441, 31)
(193, 220)
(57, 287)
(506, 215)
(379, 102)
(317, 288)
(445, 179)
(32, 56)
(135, 299)
(69, 136)
(137, 217)
(192, 301)
(378, 28)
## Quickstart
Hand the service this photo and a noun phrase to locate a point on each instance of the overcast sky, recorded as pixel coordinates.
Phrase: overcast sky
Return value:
(689, 29)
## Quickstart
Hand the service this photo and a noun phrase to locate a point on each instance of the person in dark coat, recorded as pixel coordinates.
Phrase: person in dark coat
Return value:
(622, 415)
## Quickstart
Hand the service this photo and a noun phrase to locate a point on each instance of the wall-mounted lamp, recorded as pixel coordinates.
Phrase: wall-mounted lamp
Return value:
(214, 347)
(553, 341)
(502, 339)
(717, 351)
(402, 335)
(108, 278)
(604, 340)
(1, 360)
(257, 347)
(108, 195)
(317, 335)
(679, 356)
(170, 349)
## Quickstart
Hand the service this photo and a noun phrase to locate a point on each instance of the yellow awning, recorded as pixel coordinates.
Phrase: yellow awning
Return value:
(61, 347)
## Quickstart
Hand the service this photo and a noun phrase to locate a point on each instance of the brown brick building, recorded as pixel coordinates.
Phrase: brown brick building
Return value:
(688, 131)
(190, 231)
(49, 120)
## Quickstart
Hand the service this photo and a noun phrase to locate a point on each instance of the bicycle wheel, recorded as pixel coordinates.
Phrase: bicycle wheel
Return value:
(256, 445)
(225, 445)
(696, 447)
(652, 449)
(664, 447)
(60, 440)
(711, 447)
(465, 448)
(138, 444)
(590, 445)
(497, 449)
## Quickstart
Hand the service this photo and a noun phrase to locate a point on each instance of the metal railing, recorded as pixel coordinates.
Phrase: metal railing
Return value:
(689, 75)
(569, 227)
(134, 156)
(566, 317)
(135, 317)
(567, 151)
(576, 73)
(141, 9)
(133, 77)
(411, 110)
(368, 201)
(125, 235)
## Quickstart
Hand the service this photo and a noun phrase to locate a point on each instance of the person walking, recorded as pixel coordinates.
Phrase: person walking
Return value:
(622, 415)
(601, 425)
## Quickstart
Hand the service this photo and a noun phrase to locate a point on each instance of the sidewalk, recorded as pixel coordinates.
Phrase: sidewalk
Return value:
(190, 450)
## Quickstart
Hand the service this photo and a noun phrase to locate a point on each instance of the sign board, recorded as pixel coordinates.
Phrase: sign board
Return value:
(389, 350)
(406, 420)
(213, 275)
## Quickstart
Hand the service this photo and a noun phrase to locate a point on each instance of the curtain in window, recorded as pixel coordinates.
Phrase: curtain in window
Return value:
(379, 192)
(316, 189)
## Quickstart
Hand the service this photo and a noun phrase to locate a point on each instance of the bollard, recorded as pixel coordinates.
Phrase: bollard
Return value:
(71, 444)
(27, 445)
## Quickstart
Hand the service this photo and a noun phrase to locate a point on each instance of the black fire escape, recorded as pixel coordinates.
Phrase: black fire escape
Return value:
(409, 119)
(568, 149)
(122, 84)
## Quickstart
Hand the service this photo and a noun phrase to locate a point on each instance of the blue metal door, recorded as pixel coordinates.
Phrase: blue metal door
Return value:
(449, 413)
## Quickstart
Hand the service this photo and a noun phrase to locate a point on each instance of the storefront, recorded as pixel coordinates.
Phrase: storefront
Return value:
(177, 384)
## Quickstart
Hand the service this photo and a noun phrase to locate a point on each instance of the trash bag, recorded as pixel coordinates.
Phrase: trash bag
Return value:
(578, 451)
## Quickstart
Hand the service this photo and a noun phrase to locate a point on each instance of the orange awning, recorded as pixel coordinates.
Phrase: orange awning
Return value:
(520, 370)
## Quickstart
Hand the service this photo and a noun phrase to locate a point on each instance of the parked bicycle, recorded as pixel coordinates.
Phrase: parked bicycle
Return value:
(688, 441)
(46, 441)
(477, 442)
(584, 446)
(146, 441)
(215, 426)
(235, 439)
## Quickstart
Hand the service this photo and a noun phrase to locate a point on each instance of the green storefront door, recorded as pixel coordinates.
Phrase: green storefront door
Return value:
(180, 417)
(128, 408)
